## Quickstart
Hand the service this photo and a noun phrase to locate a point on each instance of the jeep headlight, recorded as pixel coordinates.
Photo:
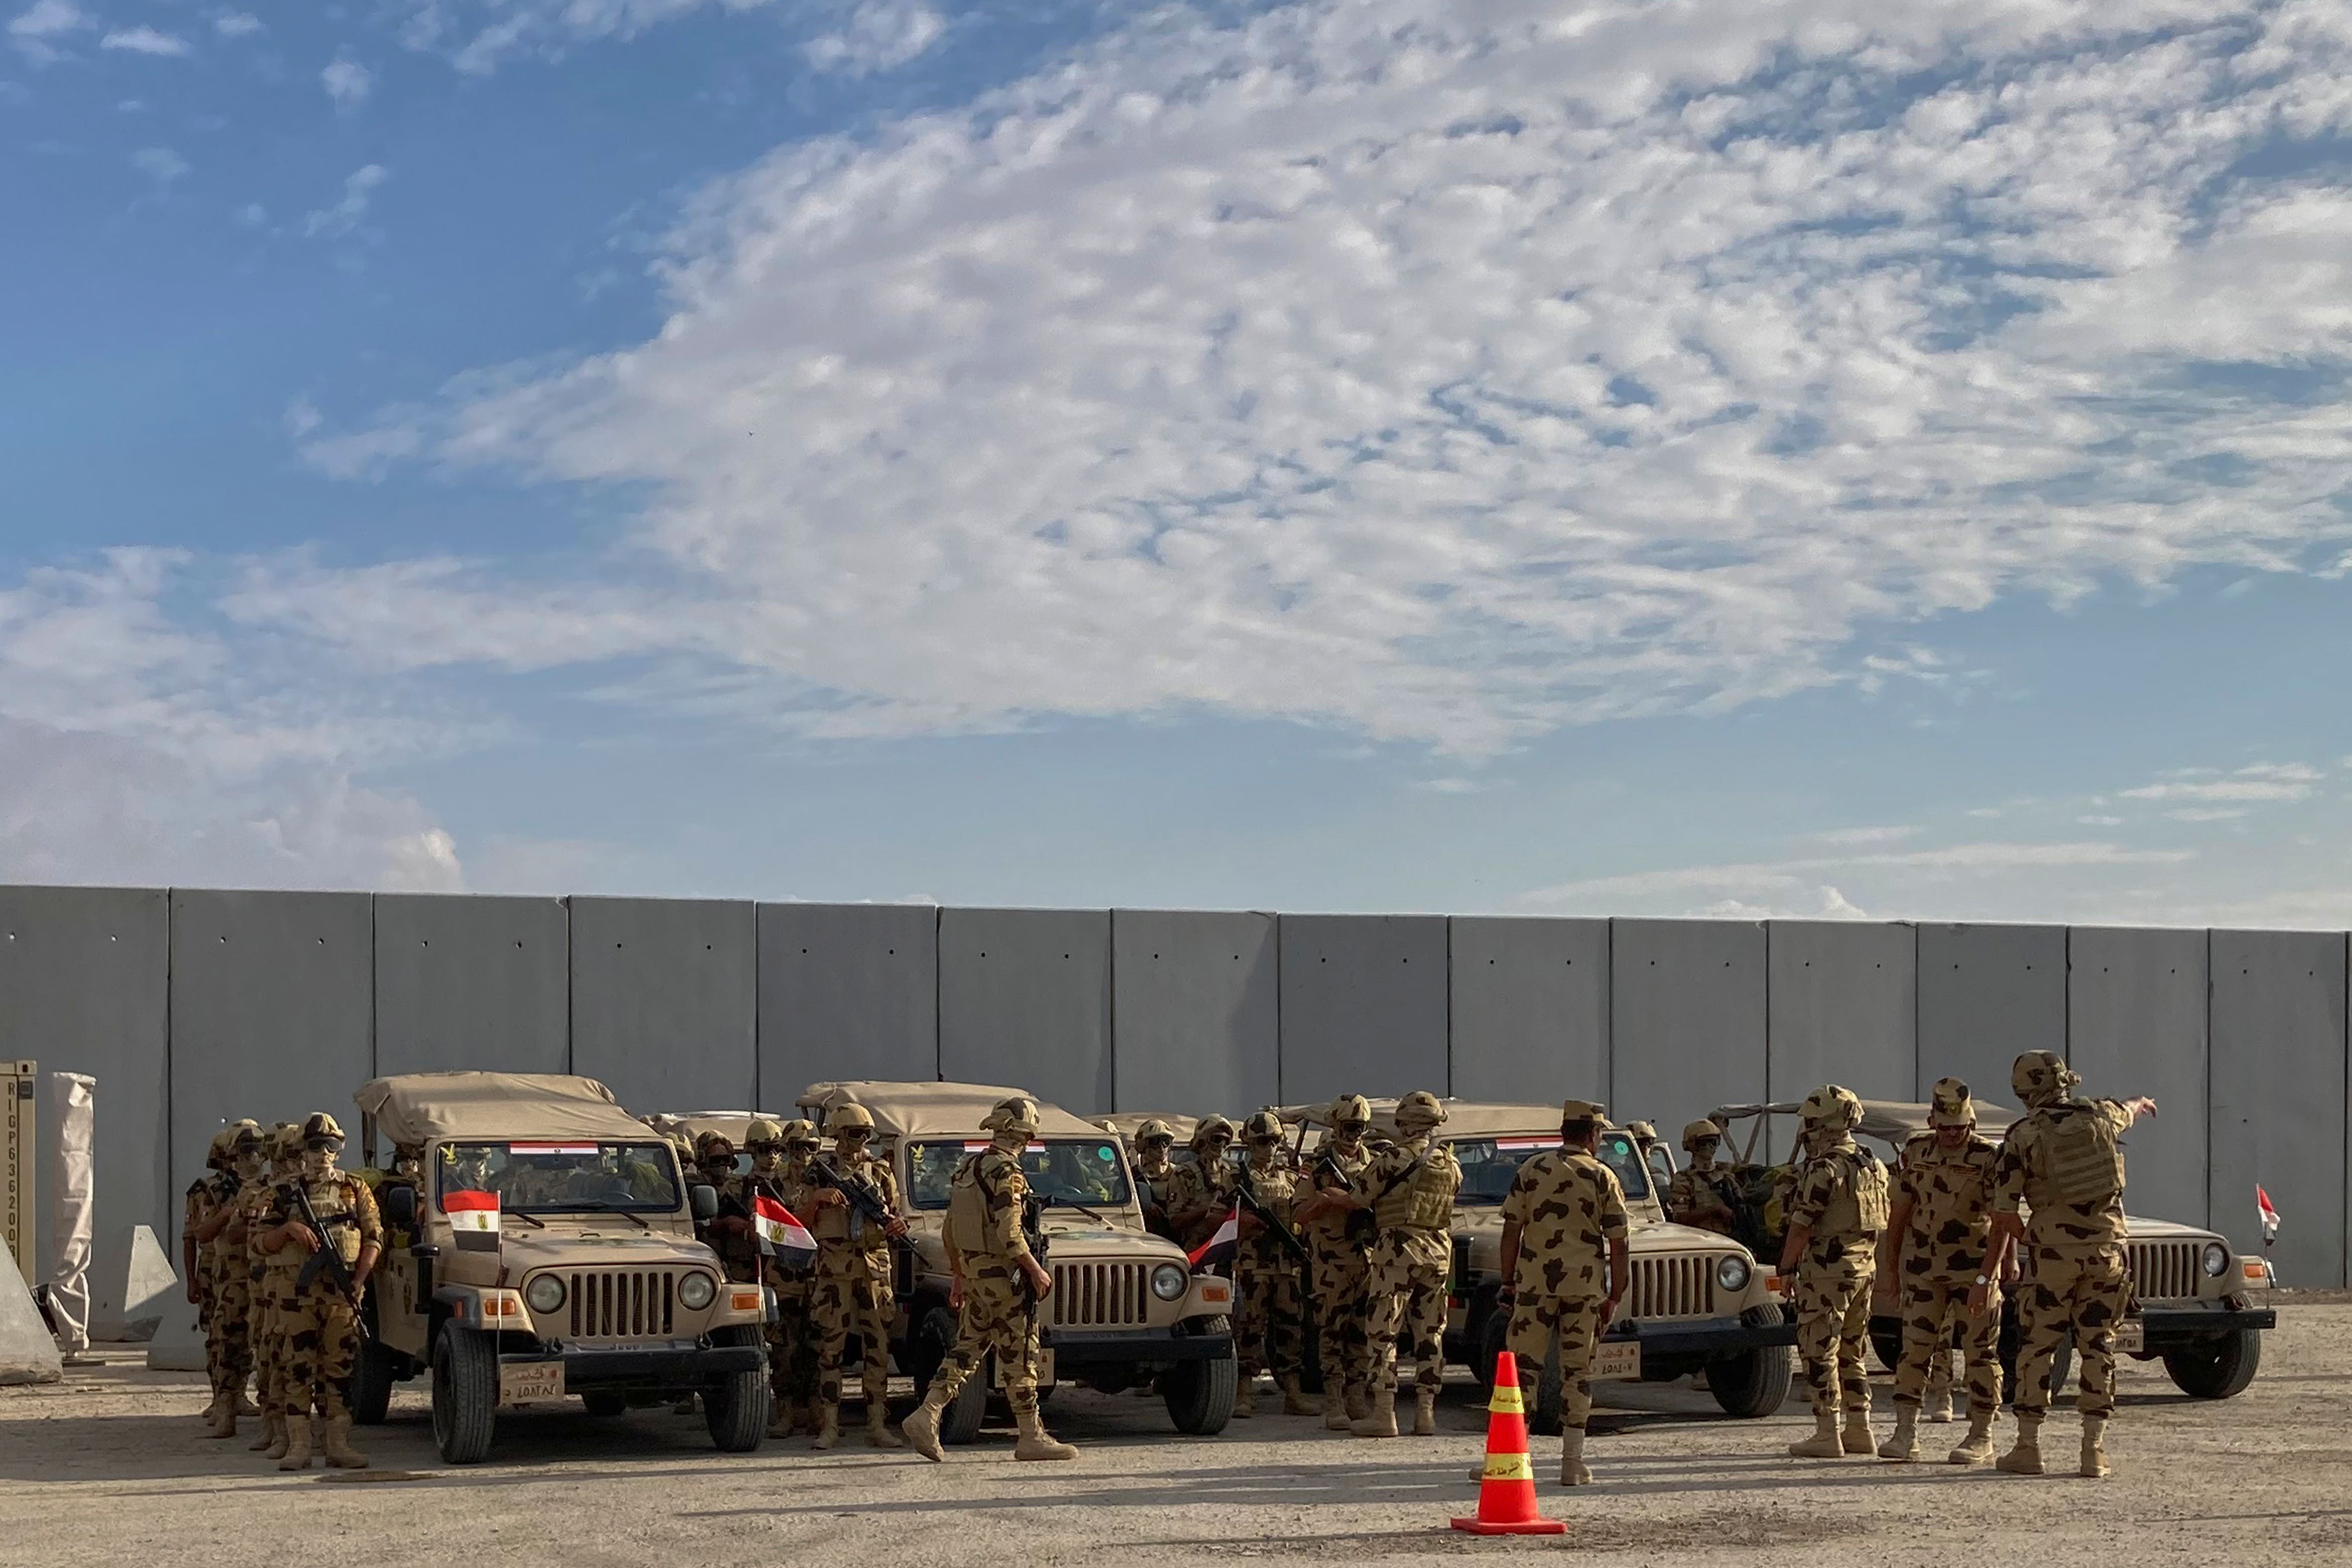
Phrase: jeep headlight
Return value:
(2216, 1260)
(1731, 1273)
(545, 1293)
(696, 1291)
(1170, 1280)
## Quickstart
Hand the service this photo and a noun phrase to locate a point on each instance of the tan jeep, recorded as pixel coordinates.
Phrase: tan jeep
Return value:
(1126, 1311)
(582, 1278)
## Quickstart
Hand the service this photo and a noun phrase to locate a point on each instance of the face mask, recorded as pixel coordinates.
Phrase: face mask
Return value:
(766, 1160)
(1012, 1142)
(317, 1164)
(250, 1165)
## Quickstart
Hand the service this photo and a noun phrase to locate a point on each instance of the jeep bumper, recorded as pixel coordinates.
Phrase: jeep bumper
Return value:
(669, 1365)
(2174, 1327)
(1708, 1339)
(1135, 1347)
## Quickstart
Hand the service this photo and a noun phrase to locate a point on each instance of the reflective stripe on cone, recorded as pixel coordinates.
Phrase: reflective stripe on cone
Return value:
(1506, 1487)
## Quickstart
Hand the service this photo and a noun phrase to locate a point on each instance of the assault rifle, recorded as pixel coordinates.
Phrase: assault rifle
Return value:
(1360, 1228)
(328, 1259)
(1245, 1193)
(863, 1197)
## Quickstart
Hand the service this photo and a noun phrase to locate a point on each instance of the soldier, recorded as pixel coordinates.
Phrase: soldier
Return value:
(1155, 1174)
(995, 1284)
(1885, 1291)
(320, 1324)
(1409, 1189)
(853, 1292)
(197, 1264)
(229, 1290)
(1270, 1331)
(1939, 1224)
(2062, 1163)
(791, 1337)
(1200, 1194)
(267, 1323)
(1655, 1158)
(1835, 1219)
(1704, 1195)
(1339, 1240)
(1564, 1270)
(733, 1233)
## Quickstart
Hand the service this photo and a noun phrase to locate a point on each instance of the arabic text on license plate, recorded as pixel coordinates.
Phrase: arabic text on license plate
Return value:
(529, 1380)
(1617, 1360)
(1044, 1370)
(2131, 1336)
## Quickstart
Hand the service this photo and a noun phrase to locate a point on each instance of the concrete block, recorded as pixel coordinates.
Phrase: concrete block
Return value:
(1531, 1007)
(1195, 1011)
(178, 1344)
(1690, 1019)
(467, 981)
(2136, 1025)
(845, 991)
(27, 1353)
(1363, 1005)
(665, 1001)
(1987, 995)
(1024, 999)
(2277, 1112)
(1844, 1007)
(132, 1285)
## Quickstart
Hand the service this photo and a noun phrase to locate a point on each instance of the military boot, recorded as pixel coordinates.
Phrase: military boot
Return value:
(1572, 1472)
(1341, 1402)
(1425, 1412)
(1358, 1400)
(1857, 1437)
(341, 1455)
(1295, 1400)
(1904, 1444)
(245, 1406)
(1245, 1398)
(1824, 1444)
(2095, 1452)
(2024, 1458)
(1940, 1405)
(1976, 1449)
(272, 1441)
(783, 1417)
(878, 1427)
(298, 1444)
(1380, 1416)
(210, 1414)
(921, 1425)
(828, 1425)
(220, 1421)
(1036, 1442)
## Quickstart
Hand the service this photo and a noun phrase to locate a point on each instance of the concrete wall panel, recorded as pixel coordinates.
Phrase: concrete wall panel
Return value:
(272, 1014)
(1844, 999)
(665, 1001)
(1195, 1011)
(1024, 1000)
(83, 989)
(846, 991)
(1530, 1008)
(2277, 1111)
(1690, 1019)
(2136, 1025)
(1988, 993)
(1363, 1005)
(468, 982)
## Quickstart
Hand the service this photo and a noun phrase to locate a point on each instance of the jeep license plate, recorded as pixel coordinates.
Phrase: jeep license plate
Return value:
(2131, 1336)
(528, 1382)
(1616, 1361)
(1044, 1370)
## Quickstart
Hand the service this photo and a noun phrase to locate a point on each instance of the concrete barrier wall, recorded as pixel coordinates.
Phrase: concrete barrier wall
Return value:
(1024, 999)
(665, 1001)
(1530, 1008)
(846, 991)
(1689, 1034)
(467, 982)
(1363, 1005)
(2134, 1025)
(1195, 1011)
(2277, 1099)
(1986, 995)
(1844, 1005)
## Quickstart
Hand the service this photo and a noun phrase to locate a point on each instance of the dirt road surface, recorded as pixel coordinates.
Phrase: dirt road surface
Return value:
(112, 1466)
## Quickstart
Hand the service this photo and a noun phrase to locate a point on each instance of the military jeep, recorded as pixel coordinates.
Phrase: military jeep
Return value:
(554, 1256)
(1126, 1311)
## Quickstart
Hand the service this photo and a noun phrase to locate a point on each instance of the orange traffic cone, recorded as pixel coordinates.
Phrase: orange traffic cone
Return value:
(1506, 1492)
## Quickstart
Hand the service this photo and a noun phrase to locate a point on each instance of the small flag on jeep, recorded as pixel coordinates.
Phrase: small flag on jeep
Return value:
(2268, 1215)
(1221, 1247)
(473, 1219)
(782, 1231)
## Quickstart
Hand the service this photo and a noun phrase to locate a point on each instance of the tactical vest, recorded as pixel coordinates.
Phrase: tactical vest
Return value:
(2084, 1166)
(1861, 1204)
(1424, 1198)
(968, 1221)
(330, 1199)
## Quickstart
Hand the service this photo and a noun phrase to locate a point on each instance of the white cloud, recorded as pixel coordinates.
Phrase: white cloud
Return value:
(875, 37)
(253, 214)
(1756, 877)
(2263, 781)
(236, 24)
(37, 29)
(144, 40)
(479, 34)
(1849, 837)
(359, 193)
(348, 82)
(161, 165)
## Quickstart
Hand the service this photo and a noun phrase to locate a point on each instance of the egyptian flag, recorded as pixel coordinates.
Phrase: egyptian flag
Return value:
(1221, 1247)
(781, 1228)
(474, 1219)
(2270, 1216)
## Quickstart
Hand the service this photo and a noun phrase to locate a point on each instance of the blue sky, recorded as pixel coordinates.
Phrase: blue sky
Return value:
(1597, 456)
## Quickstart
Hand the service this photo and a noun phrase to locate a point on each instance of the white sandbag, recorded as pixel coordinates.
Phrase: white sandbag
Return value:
(27, 1353)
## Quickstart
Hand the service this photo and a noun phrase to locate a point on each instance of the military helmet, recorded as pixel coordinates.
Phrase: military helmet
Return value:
(319, 1128)
(217, 1152)
(1642, 1131)
(712, 1145)
(241, 1133)
(1350, 1108)
(1831, 1108)
(1697, 1131)
(286, 1141)
(1209, 1127)
(762, 1130)
(1262, 1127)
(1154, 1131)
(848, 1117)
(1017, 1114)
(2040, 1077)
(1949, 1104)
(1419, 1109)
(799, 1130)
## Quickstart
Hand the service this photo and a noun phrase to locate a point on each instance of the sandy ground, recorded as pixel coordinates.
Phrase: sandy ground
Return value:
(111, 1466)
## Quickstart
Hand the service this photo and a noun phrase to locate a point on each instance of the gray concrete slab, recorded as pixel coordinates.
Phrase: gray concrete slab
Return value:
(1531, 1007)
(465, 981)
(1195, 1011)
(1024, 999)
(272, 1014)
(1844, 1007)
(846, 991)
(2276, 1115)
(1987, 995)
(1689, 1000)
(2136, 1025)
(84, 988)
(665, 1001)
(1363, 1005)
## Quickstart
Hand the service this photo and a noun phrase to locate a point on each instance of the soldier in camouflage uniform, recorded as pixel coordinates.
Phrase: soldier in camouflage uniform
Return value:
(284, 1148)
(1564, 1270)
(1939, 1227)
(1155, 1174)
(319, 1323)
(200, 1268)
(1338, 1239)
(1200, 1194)
(996, 1285)
(1703, 1193)
(229, 1289)
(853, 1293)
(2062, 1163)
(1835, 1218)
(778, 1170)
(1409, 1189)
(1270, 1326)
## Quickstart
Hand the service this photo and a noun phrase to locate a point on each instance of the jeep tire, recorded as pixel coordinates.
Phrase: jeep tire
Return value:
(735, 1406)
(464, 1394)
(2217, 1368)
(1753, 1383)
(1201, 1394)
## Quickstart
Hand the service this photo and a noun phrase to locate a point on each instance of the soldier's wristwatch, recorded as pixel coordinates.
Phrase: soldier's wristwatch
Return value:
(1984, 1279)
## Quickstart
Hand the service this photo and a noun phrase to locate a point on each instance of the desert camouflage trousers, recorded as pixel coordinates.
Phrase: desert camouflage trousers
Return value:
(1340, 1279)
(1933, 1311)
(853, 1298)
(1269, 1320)
(1833, 1327)
(791, 1339)
(997, 1317)
(263, 1328)
(1408, 1300)
(2081, 1298)
(321, 1336)
(1574, 1326)
(228, 1331)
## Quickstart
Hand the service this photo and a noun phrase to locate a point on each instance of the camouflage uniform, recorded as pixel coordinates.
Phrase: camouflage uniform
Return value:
(1207, 1182)
(1155, 1175)
(317, 1323)
(2060, 1162)
(853, 1293)
(1568, 1207)
(1703, 1193)
(1841, 1200)
(1409, 1188)
(1940, 1255)
(1338, 1242)
(204, 1197)
(229, 1290)
(792, 1345)
(265, 1325)
(1270, 1324)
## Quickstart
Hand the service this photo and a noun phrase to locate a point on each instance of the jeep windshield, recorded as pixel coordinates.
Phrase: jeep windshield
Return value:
(1490, 1164)
(1060, 1170)
(563, 1178)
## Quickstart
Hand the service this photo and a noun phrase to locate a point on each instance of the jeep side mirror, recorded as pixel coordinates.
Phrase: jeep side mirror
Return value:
(704, 1198)
(399, 1207)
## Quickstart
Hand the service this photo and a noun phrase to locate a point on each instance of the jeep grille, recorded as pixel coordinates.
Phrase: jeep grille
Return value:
(623, 1303)
(1097, 1296)
(1673, 1288)
(2163, 1271)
